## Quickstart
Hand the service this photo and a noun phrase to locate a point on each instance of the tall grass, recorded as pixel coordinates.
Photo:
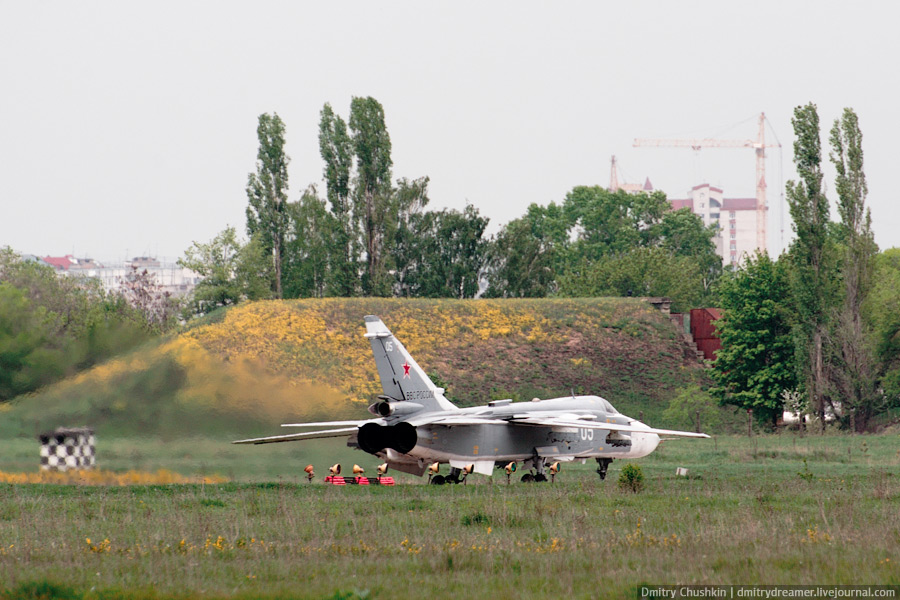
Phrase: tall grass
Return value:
(774, 509)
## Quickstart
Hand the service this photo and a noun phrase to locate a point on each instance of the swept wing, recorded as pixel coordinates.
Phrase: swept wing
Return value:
(306, 435)
(450, 420)
(543, 421)
(358, 423)
(570, 420)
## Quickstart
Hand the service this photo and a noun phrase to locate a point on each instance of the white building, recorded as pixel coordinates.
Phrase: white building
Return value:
(735, 219)
(171, 277)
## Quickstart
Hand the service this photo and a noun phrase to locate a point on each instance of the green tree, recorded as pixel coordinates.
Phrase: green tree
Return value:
(31, 351)
(91, 324)
(683, 233)
(588, 246)
(267, 193)
(881, 308)
(613, 222)
(230, 271)
(373, 191)
(854, 376)
(639, 272)
(371, 221)
(308, 250)
(527, 254)
(336, 149)
(451, 250)
(813, 273)
(756, 361)
(690, 405)
(408, 238)
(70, 298)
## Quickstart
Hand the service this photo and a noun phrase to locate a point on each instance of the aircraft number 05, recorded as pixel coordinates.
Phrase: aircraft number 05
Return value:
(389, 346)
(587, 434)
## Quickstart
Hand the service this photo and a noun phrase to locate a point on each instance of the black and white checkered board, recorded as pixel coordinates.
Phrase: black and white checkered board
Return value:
(67, 449)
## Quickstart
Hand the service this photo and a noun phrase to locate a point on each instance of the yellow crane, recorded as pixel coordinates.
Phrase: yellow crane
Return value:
(759, 146)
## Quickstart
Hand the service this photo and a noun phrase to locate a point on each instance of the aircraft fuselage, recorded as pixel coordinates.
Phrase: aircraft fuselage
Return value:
(499, 442)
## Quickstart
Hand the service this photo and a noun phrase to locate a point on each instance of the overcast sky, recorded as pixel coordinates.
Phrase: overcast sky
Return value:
(129, 128)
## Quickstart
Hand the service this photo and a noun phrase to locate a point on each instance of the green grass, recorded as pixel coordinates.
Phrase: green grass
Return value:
(203, 456)
(771, 509)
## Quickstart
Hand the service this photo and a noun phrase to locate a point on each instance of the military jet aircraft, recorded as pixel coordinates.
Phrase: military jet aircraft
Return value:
(415, 425)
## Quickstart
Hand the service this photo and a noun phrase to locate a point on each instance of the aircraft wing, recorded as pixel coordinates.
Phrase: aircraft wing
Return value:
(306, 435)
(334, 423)
(534, 420)
(454, 420)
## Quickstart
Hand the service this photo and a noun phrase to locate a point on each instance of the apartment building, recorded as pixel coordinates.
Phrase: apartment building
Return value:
(735, 219)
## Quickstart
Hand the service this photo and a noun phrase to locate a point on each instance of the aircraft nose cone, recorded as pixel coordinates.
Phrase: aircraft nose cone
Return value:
(646, 443)
(642, 443)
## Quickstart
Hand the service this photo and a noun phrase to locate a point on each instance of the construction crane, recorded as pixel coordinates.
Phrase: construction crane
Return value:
(759, 145)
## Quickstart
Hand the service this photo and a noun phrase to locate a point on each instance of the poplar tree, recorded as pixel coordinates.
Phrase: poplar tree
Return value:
(813, 273)
(336, 149)
(373, 196)
(267, 190)
(854, 375)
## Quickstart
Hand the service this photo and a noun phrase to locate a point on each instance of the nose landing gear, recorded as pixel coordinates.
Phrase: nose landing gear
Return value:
(602, 465)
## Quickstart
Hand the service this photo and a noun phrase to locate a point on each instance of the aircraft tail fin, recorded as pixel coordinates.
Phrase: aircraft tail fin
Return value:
(401, 377)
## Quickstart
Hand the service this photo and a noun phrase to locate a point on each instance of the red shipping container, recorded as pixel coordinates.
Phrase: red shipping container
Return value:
(708, 347)
(703, 330)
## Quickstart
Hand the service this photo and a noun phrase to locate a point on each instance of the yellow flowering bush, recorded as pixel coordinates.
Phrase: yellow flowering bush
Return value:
(100, 477)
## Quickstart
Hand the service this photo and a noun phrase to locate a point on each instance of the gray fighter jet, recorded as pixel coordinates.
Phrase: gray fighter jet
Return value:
(416, 426)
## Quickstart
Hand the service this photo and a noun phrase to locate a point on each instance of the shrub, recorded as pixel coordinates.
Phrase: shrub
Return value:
(41, 590)
(631, 479)
(478, 518)
(683, 409)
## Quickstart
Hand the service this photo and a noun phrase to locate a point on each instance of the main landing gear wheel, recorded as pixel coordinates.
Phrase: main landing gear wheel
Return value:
(437, 480)
(453, 477)
(540, 478)
(527, 478)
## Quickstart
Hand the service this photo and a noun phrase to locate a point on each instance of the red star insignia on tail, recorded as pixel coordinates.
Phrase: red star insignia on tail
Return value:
(406, 370)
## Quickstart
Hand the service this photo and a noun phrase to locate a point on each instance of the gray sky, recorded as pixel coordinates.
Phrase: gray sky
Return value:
(130, 129)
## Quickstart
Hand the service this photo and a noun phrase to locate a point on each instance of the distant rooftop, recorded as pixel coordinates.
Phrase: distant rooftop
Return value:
(61, 263)
(64, 263)
(727, 203)
(706, 185)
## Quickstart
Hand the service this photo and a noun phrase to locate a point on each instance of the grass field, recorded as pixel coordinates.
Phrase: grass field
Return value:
(771, 509)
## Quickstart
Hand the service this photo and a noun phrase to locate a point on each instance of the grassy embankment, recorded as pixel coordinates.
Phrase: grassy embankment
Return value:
(774, 509)
(241, 372)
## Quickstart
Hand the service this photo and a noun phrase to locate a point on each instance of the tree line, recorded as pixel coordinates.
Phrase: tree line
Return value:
(816, 331)
(372, 235)
(52, 326)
